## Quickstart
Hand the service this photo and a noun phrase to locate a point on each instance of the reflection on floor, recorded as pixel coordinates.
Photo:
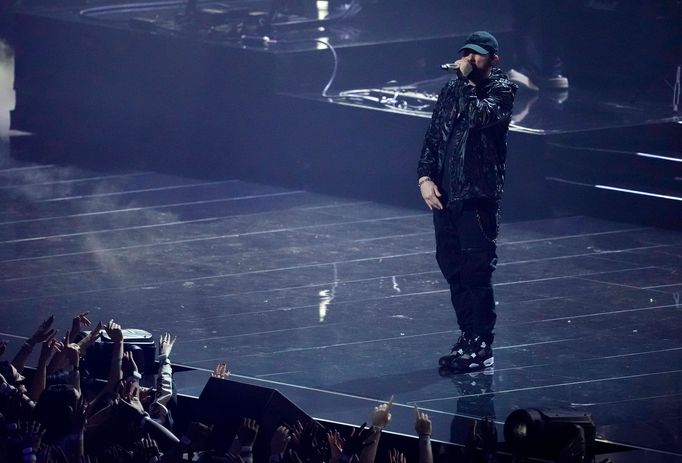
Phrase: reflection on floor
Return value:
(340, 304)
(7, 98)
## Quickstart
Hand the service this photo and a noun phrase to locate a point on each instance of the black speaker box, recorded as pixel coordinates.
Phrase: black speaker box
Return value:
(140, 342)
(223, 403)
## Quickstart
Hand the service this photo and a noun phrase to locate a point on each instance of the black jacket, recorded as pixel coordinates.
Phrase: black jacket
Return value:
(477, 166)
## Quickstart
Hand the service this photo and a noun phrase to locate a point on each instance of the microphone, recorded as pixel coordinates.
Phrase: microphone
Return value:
(449, 67)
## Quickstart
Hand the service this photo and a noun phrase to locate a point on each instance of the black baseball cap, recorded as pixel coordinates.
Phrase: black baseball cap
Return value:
(481, 42)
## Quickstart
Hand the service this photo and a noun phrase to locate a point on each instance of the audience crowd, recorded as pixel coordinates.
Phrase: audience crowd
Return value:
(63, 415)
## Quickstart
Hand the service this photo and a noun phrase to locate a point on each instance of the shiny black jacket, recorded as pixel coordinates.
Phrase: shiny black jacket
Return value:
(477, 167)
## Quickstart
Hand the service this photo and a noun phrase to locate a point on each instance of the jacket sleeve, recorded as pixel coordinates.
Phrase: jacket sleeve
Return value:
(494, 109)
(164, 381)
(428, 161)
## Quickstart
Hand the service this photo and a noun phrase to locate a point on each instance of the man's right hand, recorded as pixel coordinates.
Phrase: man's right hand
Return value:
(464, 67)
(430, 194)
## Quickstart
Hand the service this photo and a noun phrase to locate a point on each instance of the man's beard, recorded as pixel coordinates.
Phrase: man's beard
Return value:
(476, 74)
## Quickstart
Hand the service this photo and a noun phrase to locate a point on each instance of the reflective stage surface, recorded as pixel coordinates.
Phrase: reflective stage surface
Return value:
(340, 304)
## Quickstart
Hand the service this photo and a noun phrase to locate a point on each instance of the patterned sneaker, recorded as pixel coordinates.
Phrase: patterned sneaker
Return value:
(478, 355)
(455, 352)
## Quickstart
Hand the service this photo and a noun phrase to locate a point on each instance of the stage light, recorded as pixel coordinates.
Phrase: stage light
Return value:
(542, 433)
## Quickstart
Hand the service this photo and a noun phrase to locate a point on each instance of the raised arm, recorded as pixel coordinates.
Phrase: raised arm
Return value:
(422, 426)
(494, 109)
(43, 333)
(381, 417)
(47, 350)
(115, 373)
(91, 337)
(164, 383)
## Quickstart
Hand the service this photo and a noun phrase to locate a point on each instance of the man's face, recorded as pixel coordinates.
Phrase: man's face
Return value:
(480, 63)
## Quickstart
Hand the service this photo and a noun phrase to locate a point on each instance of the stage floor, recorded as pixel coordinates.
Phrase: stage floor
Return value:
(339, 303)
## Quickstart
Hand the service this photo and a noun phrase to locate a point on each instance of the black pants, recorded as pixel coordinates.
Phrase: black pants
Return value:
(466, 254)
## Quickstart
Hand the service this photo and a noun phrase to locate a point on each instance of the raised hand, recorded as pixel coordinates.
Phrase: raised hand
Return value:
(114, 331)
(336, 444)
(296, 433)
(78, 321)
(166, 344)
(72, 352)
(90, 339)
(29, 434)
(221, 371)
(395, 456)
(305, 439)
(44, 332)
(280, 441)
(128, 365)
(131, 395)
(145, 449)
(48, 349)
(423, 428)
(422, 424)
(247, 432)
(381, 415)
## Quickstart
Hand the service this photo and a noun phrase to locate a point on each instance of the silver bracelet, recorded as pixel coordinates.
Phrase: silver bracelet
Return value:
(423, 181)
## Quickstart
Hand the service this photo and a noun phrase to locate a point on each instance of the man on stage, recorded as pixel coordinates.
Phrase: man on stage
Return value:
(461, 176)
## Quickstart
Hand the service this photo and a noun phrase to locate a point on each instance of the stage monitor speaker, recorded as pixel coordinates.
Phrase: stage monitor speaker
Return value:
(542, 432)
(223, 403)
(139, 342)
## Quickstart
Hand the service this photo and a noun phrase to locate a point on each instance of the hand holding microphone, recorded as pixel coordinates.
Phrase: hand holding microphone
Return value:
(462, 66)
